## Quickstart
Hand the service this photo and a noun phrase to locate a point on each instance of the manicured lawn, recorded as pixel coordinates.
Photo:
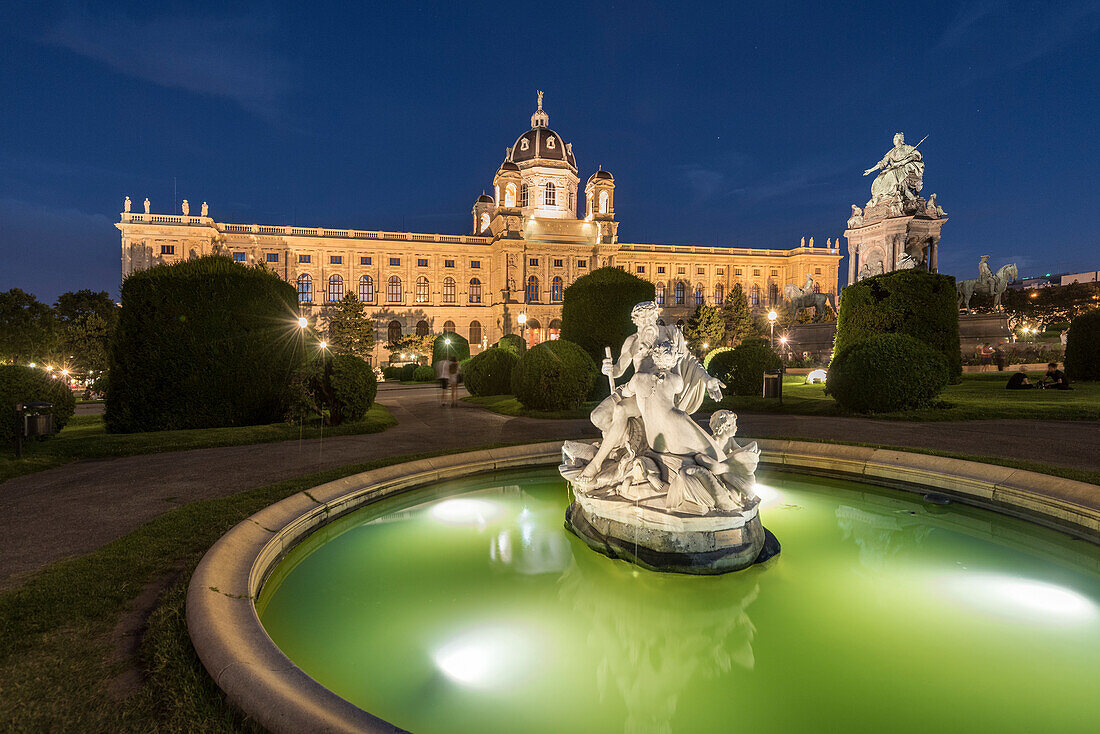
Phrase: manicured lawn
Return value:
(508, 405)
(980, 396)
(85, 437)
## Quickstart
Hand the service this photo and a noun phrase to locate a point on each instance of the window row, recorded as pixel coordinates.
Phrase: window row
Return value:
(557, 287)
(394, 289)
(698, 295)
(394, 330)
(549, 195)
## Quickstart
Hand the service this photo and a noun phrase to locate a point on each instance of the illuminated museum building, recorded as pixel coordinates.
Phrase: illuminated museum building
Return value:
(529, 243)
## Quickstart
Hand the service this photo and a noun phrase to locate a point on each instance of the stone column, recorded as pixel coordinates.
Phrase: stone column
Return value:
(853, 261)
(934, 254)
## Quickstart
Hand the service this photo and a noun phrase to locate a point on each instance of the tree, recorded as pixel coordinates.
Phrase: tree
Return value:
(349, 330)
(736, 317)
(1058, 304)
(74, 305)
(595, 311)
(28, 330)
(87, 320)
(704, 327)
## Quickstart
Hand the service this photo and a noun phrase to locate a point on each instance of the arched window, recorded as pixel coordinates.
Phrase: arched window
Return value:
(335, 288)
(773, 294)
(422, 328)
(551, 194)
(449, 327)
(556, 289)
(679, 323)
(484, 221)
(532, 289)
(393, 333)
(680, 294)
(510, 195)
(754, 295)
(572, 200)
(393, 289)
(475, 292)
(534, 332)
(699, 297)
(422, 289)
(448, 290)
(523, 194)
(366, 289)
(605, 200)
(554, 329)
(305, 288)
(719, 295)
(817, 287)
(475, 332)
(496, 198)
(660, 294)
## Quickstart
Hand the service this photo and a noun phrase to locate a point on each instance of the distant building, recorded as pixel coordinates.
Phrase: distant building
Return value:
(1052, 279)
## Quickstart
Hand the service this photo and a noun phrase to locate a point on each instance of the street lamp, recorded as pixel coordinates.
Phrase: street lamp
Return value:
(302, 322)
(772, 315)
(522, 320)
(323, 345)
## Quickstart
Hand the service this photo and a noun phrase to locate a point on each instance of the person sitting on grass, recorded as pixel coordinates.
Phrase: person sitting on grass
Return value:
(1056, 378)
(1019, 381)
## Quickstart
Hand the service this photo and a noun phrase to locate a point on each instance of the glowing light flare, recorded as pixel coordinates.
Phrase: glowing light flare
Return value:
(465, 511)
(772, 315)
(323, 345)
(816, 376)
(488, 656)
(303, 323)
(1041, 602)
(769, 496)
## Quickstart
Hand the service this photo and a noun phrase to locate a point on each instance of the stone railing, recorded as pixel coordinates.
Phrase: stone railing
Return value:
(701, 250)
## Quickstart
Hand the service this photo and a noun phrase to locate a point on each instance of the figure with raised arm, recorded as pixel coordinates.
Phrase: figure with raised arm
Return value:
(901, 172)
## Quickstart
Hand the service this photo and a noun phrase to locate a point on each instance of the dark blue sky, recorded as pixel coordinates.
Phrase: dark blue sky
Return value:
(735, 123)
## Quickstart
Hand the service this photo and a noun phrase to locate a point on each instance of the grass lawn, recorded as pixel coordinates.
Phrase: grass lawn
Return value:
(980, 396)
(508, 405)
(86, 437)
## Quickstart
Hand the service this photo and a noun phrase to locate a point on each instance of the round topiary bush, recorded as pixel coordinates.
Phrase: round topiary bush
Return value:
(450, 345)
(513, 343)
(353, 388)
(19, 384)
(1082, 358)
(885, 373)
(712, 354)
(408, 371)
(554, 375)
(423, 373)
(393, 372)
(490, 373)
(742, 368)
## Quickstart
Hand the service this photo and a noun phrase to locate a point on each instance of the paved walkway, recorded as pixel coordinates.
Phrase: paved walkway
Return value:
(79, 507)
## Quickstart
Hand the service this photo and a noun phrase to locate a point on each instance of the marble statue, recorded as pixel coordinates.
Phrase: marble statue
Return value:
(658, 483)
(901, 173)
(205, 211)
(126, 205)
(146, 204)
(933, 209)
(799, 299)
(856, 220)
(186, 208)
(987, 282)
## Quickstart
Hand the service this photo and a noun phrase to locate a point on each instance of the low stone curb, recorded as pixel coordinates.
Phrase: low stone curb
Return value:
(257, 677)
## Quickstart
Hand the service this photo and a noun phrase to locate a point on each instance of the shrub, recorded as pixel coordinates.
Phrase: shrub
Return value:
(1083, 347)
(202, 343)
(513, 343)
(885, 373)
(392, 372)
(742, 368)
(424, 373)
(352, 388)
(408, 372)
(554, 375)
(712, 354)
(913, 302)
(595, 311)
(458, 348)
(19, 384)
(490, 373)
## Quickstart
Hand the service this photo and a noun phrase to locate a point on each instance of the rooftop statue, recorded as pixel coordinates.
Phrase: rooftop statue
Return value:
(146, 204)
(126, 204)
(901, 173)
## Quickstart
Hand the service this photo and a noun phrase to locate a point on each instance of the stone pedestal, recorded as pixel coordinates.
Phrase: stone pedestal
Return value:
(812, 338)
(879, 240)
(978, 329)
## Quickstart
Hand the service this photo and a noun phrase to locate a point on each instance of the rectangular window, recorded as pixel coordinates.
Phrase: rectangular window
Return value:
(167, 249)
(774, 272)
(817, 271)
(448, 263)
(238, 257)
(700, 271)
(364, 261)
(640, 269)
(533, 262)
(737, 271)
(395, 262)
(680, 271)
(335, 259)
(305, 258)
(660, 269)
(582, 263)
(273, 257)
(475, 264)
(721, 271)
(557, 263)
(422, 262)
(756, 271)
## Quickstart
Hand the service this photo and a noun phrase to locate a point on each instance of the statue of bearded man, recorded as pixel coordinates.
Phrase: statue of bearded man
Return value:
(901, 173)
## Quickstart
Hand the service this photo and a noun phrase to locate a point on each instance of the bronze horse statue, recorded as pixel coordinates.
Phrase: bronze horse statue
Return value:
(967, 288)
(799, 300)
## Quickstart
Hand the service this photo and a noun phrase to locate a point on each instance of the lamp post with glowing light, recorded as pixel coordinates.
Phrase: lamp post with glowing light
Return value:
(522, 321)
(772, 316)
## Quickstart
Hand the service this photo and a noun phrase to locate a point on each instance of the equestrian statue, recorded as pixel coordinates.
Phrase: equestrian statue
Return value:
(806, 297)
(992, 284)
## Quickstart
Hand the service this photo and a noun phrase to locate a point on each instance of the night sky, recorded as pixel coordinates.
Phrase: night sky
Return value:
(731, 123)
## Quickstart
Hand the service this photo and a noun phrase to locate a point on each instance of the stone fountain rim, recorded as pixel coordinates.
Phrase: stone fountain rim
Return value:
(267, 686)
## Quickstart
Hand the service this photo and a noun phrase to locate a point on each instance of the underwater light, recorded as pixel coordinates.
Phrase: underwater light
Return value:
(465, 511)
(1013, 596)
(486, 656)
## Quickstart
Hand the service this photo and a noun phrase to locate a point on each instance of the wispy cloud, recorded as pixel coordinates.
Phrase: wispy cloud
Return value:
(224, 56)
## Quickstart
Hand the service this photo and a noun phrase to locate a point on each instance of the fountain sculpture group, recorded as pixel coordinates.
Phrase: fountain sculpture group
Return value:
(659, 490)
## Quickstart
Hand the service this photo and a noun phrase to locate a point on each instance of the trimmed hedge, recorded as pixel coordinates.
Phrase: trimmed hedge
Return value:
(1082, 358)
(913, 302)
(513, 343)
(490, 373)
(392, 372)
(595, 310)
(19, 384)
(202, 343)
(886, 373)
(424, 373)
(742, 368)
(712, 354)
(353, 386)
(554, 375)
(408, 371)
(459, 348)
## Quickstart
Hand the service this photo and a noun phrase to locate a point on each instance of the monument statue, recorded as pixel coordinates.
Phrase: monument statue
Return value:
(992, 284)
(146, 204)
(186, 207)
(659, 487)
(205, 211)
(933, 209)
(901, 173)
(126, 205)
(799, 299)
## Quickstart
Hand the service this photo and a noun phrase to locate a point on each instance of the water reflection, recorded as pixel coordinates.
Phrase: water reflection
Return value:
(880, 536)
(535, 543)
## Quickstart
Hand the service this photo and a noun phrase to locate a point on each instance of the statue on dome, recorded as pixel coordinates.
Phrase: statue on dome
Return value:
(126, 205)
(901, 173)
(205, 211)
(146, 204)
(186, 207)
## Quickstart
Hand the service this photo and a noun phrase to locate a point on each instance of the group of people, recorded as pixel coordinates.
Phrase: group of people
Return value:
(449, 376)
(1055, 379)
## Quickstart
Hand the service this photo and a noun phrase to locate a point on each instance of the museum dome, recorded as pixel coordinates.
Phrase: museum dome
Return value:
(601, 174)
(540, 143)
(485, 199)
(508, 166)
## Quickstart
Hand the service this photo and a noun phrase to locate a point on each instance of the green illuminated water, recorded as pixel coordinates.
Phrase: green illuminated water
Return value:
(467, 607)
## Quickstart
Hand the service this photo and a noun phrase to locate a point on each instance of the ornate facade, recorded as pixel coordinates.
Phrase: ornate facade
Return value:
(529, 242)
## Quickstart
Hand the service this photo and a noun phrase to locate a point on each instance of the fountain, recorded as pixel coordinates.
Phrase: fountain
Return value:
(659, 490)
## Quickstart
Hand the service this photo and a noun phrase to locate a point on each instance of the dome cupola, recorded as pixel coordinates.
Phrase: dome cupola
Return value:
(542, 146)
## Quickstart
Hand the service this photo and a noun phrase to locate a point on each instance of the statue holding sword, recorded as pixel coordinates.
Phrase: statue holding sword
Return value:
(901, 172)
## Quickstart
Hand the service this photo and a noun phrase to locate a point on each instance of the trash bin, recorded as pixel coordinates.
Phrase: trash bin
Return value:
(37, 419)
(773, 384)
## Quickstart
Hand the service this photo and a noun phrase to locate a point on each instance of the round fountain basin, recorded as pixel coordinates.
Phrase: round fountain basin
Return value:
(467, 606)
